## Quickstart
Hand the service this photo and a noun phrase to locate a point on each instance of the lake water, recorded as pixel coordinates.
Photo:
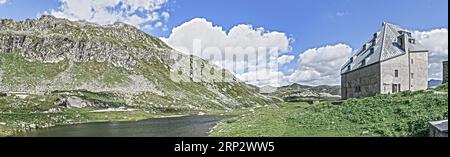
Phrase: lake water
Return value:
(189, 126)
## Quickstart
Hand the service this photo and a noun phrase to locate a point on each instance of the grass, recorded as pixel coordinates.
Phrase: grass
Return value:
(17, 71)
(401, 115)
(99, 72)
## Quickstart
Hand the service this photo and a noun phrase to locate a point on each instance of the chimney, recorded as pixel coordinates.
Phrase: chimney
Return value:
(403, 40)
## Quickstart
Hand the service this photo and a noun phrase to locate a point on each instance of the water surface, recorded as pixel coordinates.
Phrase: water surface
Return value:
(189, 126)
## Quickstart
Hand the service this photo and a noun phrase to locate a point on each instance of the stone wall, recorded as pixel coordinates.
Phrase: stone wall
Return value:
(439, 129)
(388, 69)
(419, 67)
(412, 72)
(361, 83)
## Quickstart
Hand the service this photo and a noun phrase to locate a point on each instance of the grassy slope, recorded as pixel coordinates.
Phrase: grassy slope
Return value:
(17, 70)
(404, 114)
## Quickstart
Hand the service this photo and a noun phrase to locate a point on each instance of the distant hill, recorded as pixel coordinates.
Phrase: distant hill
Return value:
(299, 92)
(434, 83)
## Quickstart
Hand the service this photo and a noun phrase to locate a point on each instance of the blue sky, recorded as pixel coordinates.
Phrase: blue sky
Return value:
(316, 22)
(312, 23)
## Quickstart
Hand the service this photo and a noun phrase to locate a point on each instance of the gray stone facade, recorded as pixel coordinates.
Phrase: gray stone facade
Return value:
(445, 72)
(391, 62)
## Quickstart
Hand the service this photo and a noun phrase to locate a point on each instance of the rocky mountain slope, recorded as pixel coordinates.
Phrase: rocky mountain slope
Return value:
(51, 55)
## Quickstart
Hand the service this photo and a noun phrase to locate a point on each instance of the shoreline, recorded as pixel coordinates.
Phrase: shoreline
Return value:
(14, 132)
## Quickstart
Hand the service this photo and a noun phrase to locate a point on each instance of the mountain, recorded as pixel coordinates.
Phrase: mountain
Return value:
(434, 83)
(52, 55)
(298, 92)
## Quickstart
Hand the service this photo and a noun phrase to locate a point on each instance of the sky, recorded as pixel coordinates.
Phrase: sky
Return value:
(314, 37)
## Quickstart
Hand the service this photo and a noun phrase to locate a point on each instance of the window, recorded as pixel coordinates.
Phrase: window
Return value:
(396, 88)
(363, 63)
(412, 61)
(396, 73)
(412, 75)
(372, 50)
(358, 89)
(400, 41)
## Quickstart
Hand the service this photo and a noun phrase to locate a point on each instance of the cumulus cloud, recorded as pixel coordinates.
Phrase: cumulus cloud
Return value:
(240, 36)
(285, 59)
(265, 77)
(139, 13)
(3, 1)
(322, 65)
(244, 50)
(436, 41)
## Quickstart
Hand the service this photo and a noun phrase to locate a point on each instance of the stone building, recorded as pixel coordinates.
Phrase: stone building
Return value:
(439, 129)
(392, 61)
(445, 72)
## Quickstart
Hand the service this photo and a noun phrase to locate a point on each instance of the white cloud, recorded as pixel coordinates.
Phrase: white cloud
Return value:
(436, 41)
(285, 59)
(139, 13)
(322, 65)
(3, 1)
(201, 38)
(165, 15)
(243, 36)
(340, 14)
(265, 77)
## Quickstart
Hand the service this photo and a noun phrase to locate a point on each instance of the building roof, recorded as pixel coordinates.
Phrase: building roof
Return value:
(382, 46)
(441, 125)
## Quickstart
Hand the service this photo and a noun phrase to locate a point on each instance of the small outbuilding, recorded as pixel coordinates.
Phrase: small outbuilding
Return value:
(439, 129)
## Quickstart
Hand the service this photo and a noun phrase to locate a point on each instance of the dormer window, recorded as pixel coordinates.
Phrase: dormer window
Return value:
(364, 47)
(372, 50)
(405, 33)
(349, 68)
(400, 40)
(403, 41)
(363, 63)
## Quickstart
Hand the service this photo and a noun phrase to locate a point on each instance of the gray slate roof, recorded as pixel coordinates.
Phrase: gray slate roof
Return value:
(441, 125)
(384, 48)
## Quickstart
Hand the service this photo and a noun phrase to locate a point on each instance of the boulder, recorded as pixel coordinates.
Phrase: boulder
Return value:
(273, 106)
(73, 102)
